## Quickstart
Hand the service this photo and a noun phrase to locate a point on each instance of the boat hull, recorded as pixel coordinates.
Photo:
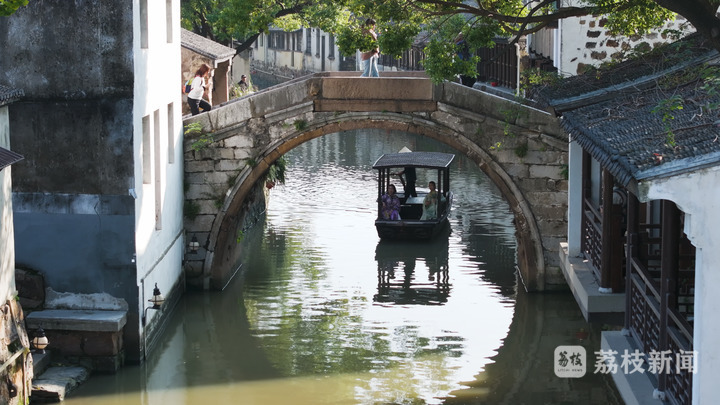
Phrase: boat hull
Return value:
(410, 230)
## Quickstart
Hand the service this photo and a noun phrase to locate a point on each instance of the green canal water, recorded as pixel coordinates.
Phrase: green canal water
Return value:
(323, 312)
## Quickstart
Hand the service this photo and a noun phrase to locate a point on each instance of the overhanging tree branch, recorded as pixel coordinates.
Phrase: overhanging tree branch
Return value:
(296, 9)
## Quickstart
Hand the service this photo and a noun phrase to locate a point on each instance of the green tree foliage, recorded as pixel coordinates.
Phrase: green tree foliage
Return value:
(8, 7)
(435, 23)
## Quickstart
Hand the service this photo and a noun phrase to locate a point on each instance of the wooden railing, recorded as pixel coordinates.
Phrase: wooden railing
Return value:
(645, 317)
(591, 243)
(498, 65)
(410, 60)
(644, 308)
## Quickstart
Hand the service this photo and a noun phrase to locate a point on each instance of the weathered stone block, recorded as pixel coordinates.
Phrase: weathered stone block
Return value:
(557, 213)
(245, 141)
(67, 343)
(207, 206)
(544, 171)
(516, 170)
(201, 223)
(242, 154)
(214, 153)
(219, 177)
(199, 192)
(198, 165)
(279, 98)
(530, 184)
(547, 198)
(229, 165)
(56, 382)
(384, 88)
(552, 227)
(77, 320)
(102, 344)
(535, 157)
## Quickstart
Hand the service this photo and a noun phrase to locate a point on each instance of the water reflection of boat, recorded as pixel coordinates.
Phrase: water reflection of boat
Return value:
(401, 279)
(410, 225)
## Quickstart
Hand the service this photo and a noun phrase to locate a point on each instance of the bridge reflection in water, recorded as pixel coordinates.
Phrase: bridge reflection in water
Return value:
(325, 313)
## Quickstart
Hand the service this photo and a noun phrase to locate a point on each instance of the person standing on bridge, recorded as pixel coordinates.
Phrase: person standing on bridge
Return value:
(198, 90)
(370, 58)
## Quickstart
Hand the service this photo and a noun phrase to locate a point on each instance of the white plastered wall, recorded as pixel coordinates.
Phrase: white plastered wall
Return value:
(7, 237)
(698, 196)
(159, 240)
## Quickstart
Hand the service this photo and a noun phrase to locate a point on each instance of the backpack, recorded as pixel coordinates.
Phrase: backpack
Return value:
(188, 86)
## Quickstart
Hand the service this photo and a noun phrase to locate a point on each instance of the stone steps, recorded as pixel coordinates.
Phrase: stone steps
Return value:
(41, 362)
(85, 335)
(92, 338)
(56, 382)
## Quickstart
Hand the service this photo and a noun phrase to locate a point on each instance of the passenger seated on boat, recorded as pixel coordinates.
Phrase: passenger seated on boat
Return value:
(430, 203)
(390, 204)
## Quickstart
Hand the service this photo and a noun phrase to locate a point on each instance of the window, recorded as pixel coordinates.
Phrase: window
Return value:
(317, 44)
(277, 40)
(146, 151)
(331, 45)
(144, 41)
(158, 171)
(171, 132)
(308, 41)
(169, 20)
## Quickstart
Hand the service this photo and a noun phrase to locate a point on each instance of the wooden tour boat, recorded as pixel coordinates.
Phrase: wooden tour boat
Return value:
(428, 166)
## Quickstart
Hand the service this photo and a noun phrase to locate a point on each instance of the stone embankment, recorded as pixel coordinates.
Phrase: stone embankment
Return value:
(84, 333)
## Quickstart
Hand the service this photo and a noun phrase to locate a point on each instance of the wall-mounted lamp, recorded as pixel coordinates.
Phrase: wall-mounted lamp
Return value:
(194, 245)
(40, 341)
(156, 301)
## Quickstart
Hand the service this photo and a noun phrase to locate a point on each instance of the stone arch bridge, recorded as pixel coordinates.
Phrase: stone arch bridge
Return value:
(521, 149)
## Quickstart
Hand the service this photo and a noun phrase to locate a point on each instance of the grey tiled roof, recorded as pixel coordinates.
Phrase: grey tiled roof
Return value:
(206, 47)
(8, 157)
(8, 95)
(624, 126)
(418, 159)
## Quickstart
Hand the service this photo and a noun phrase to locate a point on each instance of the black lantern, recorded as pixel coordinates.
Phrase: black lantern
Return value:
(40, 341)
(157, 298)
(194, 245)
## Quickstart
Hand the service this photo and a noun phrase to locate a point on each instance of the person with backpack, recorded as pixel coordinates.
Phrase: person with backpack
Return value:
(198, 89)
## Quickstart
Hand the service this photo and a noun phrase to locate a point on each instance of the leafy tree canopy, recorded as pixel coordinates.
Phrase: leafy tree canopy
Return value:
(8, 7)
(435, 22)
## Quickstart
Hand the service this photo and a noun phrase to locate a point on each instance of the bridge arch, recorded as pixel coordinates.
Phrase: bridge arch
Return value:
(475, 136)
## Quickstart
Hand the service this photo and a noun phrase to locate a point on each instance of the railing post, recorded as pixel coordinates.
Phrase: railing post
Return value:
(631, 249)
(607, 237)
(670, 233)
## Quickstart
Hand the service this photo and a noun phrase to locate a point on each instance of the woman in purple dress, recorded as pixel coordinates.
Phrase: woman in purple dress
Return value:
(390, 204)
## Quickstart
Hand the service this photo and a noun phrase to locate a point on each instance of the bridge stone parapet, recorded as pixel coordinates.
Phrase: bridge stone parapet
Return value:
(522, 149)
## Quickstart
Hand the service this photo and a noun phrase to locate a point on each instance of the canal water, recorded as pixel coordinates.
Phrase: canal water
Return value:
(323, 312)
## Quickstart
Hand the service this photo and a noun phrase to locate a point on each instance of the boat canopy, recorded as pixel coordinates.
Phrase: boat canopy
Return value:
(416, 159)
